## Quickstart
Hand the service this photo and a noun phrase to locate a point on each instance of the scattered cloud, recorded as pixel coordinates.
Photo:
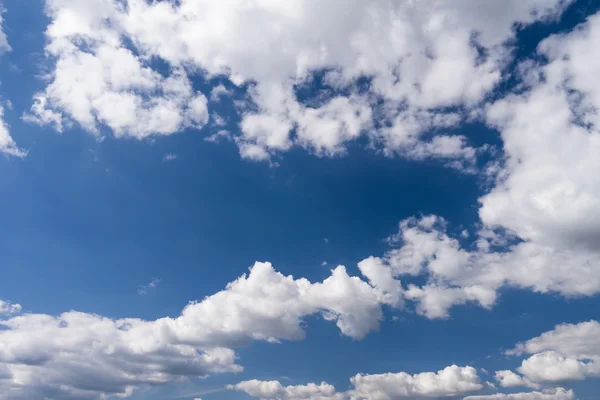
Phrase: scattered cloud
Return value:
(222, 134)
(547, 394)
(170, 157)
(569, 352)
(4, 46)
(218, 120)
(451, 382)
(47, 356)
(143, 289)
(8, 308)
(218, 91)
(7, 143)
(102, 74)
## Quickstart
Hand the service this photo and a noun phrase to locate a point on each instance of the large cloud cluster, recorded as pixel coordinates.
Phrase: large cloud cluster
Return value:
(80, 355)
(428, 64)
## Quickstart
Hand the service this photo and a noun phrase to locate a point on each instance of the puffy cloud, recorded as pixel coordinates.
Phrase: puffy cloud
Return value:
(548, 394)
(509, 379)
(84, 356)
(143, 289)
(540, 221)
(550, 366)
(7, 307)
(451, 382)
(272, 390)
(4, 46)
(7, 143)
(419, 58)
(457, 275)
(547, 192)
(566, 353)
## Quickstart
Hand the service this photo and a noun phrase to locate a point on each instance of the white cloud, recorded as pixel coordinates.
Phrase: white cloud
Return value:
(566, 353)
(170, 157)
(7, 308)
(143, 289)
(509, 379)
(548, 193)
(272, 390)
(420, 56)
(456, 275)
(218, 91)
(451, 382)
(7, 143)
(4, 46)
(548, 394)
(86, 356)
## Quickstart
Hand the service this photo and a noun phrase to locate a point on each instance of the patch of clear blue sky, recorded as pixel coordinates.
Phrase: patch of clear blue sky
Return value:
(85, 223)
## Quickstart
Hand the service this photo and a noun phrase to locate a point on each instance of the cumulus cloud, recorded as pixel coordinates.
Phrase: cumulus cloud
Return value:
(4, 46)
(275, 390)
(451, 382)
(420, 58)
(456, 275)
(143, 289)
(566, 353)
(509, 379)
(548, 394)
(7, 308)
(87, 356)
(7, 143)
(547, 192)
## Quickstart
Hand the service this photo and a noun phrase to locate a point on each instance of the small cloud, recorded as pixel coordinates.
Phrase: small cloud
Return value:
(326, 240)
(169, 157)
(7, 308)
(143, 289)
(215, 138)
(218, 120)
(218, 91)
(324, 263)
(464, 234)
(485, 371)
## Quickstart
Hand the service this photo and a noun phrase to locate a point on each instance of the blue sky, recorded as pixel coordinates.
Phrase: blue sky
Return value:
(443, 152)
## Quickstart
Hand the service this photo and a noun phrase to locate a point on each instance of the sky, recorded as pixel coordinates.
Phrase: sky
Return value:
(301, 199)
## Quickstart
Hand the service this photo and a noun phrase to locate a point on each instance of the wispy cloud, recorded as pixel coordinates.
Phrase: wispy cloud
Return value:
(169, 157)
(143, 289)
